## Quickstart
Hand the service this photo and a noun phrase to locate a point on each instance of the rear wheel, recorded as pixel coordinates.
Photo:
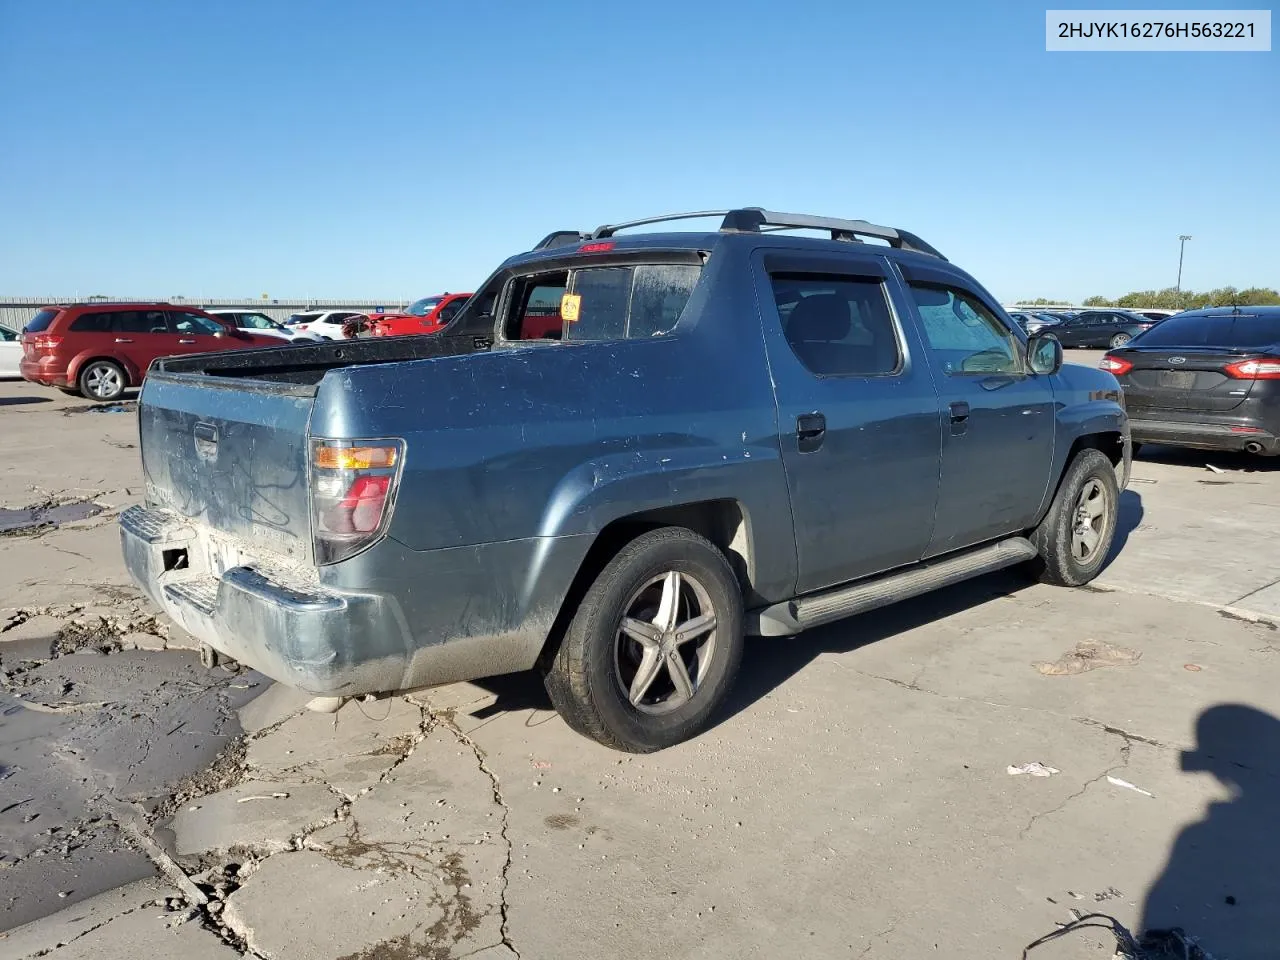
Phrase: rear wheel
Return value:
(1075, 536)
(654, 646)
(102, 380)
(1119, 340)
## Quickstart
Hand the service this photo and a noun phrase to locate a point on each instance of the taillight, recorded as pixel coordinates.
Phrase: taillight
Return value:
(1115, 365)
(1267, 368)
(353, 489)
(46, 341)
(601, 246)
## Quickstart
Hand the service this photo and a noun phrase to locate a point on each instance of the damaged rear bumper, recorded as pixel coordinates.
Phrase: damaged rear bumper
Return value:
(295, 631)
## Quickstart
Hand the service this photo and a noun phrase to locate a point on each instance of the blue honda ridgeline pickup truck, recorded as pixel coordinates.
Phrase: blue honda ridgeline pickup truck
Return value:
(624, 453)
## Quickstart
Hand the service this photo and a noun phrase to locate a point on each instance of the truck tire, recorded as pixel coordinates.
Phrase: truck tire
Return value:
(102, 380)
(654, 646)
(1075, 536)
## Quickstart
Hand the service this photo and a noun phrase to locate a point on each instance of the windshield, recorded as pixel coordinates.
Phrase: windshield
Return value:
(1241, 331)
(420, 308)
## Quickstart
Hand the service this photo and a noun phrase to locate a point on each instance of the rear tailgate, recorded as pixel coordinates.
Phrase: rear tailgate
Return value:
(230, 455)
(1189, 380)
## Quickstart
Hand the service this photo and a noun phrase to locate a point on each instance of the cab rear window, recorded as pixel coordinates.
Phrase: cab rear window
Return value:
(40, 322)
(627, 302)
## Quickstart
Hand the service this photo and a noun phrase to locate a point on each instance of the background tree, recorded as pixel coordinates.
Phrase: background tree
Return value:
(1172, 299)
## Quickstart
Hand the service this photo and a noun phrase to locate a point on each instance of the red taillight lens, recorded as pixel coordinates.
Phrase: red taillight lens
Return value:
(603, 246)
(46, 341)
(1115, 365)
(360, 511)
(1268, 368)
(353, 486)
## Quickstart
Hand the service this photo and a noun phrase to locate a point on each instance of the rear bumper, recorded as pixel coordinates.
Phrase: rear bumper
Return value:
(292, 629)
(1205, 436)
(43, 373)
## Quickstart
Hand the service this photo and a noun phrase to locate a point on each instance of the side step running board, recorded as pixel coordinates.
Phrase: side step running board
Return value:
(793, 616)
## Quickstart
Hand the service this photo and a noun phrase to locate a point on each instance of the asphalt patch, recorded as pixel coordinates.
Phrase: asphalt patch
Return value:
(124, 406)
(30, 520)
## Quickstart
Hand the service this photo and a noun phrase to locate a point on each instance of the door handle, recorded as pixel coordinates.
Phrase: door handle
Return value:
(185, 341)
(123, 340)
(959, 412)
(811, 429)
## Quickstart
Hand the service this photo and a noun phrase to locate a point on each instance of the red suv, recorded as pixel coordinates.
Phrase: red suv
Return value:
(100, 349)
(428, 315)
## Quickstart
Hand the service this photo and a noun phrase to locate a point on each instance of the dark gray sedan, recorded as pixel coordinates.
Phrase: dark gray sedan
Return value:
(1101, 328)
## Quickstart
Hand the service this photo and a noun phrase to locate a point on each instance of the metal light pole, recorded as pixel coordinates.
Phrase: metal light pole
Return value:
(1182, 245)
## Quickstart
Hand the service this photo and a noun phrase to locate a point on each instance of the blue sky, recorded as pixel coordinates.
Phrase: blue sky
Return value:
(397, 149)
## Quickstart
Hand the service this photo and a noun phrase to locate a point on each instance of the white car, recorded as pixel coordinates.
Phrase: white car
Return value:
(260, 323)
(10, 353)
(324, 323)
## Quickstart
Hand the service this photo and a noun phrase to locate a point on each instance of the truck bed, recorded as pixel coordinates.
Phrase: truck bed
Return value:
(307, 363)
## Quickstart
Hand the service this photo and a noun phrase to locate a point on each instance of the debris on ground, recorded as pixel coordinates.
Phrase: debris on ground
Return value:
(1117, 782)
(1088, 655)
(1210, 466)
(1035, 769)
(1172, 944)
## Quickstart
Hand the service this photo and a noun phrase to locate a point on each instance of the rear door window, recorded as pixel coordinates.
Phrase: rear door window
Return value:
(92, 323)
(837, 325)
(139, 321)
(40, 322)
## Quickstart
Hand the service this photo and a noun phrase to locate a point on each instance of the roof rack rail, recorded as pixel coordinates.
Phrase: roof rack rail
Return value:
(754, 220)
(609, 229)
(758, 220)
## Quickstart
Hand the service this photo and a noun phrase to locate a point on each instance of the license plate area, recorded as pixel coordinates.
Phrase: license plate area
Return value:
(1177, 379)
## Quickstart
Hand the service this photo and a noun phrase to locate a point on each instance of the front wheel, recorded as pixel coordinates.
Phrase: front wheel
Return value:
(1075, 536)
(102, 380)
(654, 646)
(1119, 340)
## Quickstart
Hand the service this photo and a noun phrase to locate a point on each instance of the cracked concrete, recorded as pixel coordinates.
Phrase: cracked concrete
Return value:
(853, 801)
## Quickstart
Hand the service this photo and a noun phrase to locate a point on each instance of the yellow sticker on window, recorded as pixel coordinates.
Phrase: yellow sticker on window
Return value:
(570, 307)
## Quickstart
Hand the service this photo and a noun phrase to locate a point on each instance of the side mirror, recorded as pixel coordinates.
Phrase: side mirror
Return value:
(1044, 354)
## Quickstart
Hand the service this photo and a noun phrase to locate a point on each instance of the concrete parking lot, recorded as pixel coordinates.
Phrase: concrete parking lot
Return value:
(854, 801)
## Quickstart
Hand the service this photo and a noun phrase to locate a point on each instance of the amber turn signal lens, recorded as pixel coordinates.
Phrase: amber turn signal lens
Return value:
(354, 458)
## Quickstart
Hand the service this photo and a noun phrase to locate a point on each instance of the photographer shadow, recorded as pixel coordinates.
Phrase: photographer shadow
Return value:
(1221, 883)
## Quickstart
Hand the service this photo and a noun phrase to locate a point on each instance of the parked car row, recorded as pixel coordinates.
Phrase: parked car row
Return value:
(262, 324)
(99, 350)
